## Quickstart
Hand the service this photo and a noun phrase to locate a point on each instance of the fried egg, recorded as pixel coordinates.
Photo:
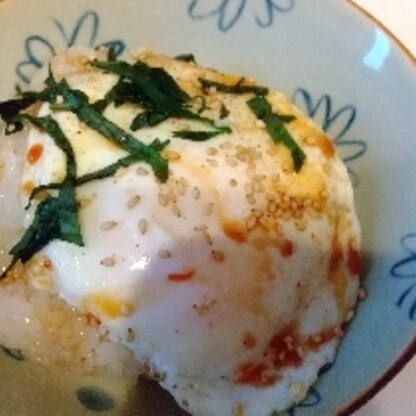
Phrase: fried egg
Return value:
(232, 281)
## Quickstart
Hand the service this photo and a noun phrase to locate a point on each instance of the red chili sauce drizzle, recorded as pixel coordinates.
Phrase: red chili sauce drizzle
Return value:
(181, 277)
(353, 260)
(284, 350)
(34, 153)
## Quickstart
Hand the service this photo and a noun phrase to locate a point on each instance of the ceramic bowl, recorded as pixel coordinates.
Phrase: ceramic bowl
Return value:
(337, 65)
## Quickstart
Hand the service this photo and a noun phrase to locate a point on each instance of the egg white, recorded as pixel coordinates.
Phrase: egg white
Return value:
(197, 334)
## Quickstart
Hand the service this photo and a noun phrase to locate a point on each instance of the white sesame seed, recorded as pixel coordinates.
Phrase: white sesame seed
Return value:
(84, 202)
(226, 146)
(176, 210)
(258, 213)
(196, 193)
(120, 172)
(171, 196)
(203, 230)
(248, 189)
(212, 162)
(362, 294)
(131, 336)
(133, 201)
(251, 222)
(217, 255)
(350, 316)
(172, 156)
(310, 141)
(163, 200)
(231, 162)
(108, 261)
(208, 209)
(142, 171)
(108, 225)
(164, 254)
(300, 225)
(125, 310)
(207, 238)
(259, 243)
(242, 156)
(211, 151)
(143, 226)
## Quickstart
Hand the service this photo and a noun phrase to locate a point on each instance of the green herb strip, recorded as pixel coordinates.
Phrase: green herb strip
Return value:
(110, 170)
(77, 102)
(56, 217)
(52, 128)
(155, 90)
(275, 125)
(238, 88)
(10, 112)
(224, 112)
(159, 88)
(196, 136)
(186, 57)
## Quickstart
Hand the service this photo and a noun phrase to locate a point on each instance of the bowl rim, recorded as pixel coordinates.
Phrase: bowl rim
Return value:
(408, 352)
(404, 356)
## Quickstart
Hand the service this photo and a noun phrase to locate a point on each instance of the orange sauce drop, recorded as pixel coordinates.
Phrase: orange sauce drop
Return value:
(249, 340)
(181, 277)
(235, 231)
(34, 153)
(335, 260)
(281, 352)
(286, 248)
(256, 375)
(326, 146)
(27, 187)
(354, 261)
(283, 347)
(315, 341)
(109, 304)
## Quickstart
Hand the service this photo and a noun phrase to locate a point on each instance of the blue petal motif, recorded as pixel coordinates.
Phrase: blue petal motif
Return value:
(336, 123)
(39, 49)
(312, 399)
(271, 7)
(229, 12)
(406, 269)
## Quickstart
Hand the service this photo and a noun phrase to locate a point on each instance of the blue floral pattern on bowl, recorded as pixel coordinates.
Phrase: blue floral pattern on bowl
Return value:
(336, 122)
(312, 399)
(405, 270)
(229, 12)
(38, 48)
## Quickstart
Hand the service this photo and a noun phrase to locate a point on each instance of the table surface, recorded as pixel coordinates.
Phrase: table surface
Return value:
(399, 397)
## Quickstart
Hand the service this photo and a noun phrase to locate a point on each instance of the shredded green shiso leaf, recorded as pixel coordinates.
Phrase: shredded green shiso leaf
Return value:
(159, 97)
(275, 125)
